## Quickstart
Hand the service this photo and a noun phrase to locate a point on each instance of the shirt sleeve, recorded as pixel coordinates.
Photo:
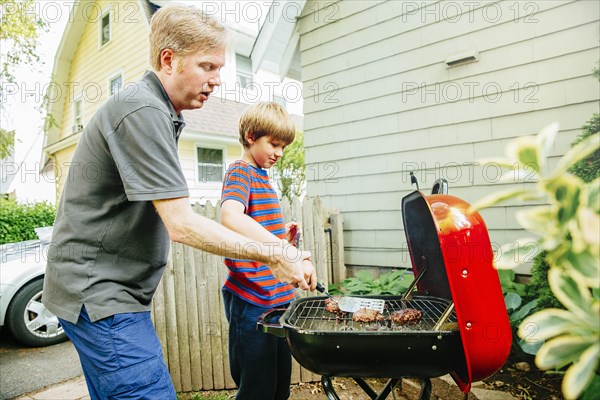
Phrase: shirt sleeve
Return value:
(144, 149)
(236, 185)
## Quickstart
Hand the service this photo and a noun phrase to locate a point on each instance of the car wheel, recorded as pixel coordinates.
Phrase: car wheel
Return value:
(29, 321)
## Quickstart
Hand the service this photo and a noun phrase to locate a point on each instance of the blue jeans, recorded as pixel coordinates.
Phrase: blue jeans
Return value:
(261, 363)
(121, 357)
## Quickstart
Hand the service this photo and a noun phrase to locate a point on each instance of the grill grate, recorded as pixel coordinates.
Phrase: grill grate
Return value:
(310, 315)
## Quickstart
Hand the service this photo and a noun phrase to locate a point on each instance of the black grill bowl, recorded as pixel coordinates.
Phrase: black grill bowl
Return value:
(364, 350)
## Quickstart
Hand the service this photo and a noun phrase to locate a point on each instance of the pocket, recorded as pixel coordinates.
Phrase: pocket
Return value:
(135, 378)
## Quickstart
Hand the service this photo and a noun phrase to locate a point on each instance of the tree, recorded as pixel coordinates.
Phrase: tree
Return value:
(20, 26)
(7, 143)
(290, 169)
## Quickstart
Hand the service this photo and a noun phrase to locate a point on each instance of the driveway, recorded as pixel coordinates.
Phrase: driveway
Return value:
(23, 370)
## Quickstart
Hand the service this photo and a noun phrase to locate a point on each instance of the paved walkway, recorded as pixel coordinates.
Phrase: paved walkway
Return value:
(75, 389)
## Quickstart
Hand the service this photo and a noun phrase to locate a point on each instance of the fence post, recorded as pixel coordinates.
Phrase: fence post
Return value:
(337, 245)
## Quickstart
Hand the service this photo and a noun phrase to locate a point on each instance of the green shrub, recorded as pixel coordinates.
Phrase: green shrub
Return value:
(588, 169)
(17, 221)
(538, 286)
(390, 283)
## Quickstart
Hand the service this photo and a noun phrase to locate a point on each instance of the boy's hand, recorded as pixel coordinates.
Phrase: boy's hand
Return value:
(292, 232)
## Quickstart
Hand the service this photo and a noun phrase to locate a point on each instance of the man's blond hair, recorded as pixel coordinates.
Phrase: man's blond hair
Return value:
(185, 30)
(266, 119)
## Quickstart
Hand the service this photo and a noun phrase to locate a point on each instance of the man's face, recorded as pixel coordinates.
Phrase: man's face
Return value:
(194, 78)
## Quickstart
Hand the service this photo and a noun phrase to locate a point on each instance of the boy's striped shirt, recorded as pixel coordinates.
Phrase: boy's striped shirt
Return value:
(251, 280)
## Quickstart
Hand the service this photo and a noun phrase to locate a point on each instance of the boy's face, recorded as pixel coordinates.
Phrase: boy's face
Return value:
(263, 152)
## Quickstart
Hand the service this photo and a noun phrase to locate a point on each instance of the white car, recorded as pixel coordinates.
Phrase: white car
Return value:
(22, 267)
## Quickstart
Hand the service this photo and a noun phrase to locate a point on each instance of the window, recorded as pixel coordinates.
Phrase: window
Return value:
(77, 115)
(115, 84)
(105, 28)
(210, 164)
(244, 70)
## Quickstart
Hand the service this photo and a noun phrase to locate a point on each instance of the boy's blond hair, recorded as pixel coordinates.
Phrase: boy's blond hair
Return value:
(266, 119)
(185, 30)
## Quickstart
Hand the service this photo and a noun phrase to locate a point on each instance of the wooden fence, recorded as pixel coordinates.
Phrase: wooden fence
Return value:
(188, 308)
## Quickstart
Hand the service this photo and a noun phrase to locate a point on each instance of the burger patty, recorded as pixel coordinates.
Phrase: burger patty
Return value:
(406, 316)
(367, 315)
(331, 305)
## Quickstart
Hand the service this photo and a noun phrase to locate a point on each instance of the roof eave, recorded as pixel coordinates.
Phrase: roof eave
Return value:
(275, 25)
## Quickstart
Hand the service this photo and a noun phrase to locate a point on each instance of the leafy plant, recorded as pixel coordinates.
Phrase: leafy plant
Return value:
(17, 221)
(568, 226)
(517, 308)
(362, 283)
(538, 286)
(509, 283)
(290, 170)
(588, 168)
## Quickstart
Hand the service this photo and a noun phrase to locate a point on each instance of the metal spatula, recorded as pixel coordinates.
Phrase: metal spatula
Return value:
(346, 304)
(353, 304)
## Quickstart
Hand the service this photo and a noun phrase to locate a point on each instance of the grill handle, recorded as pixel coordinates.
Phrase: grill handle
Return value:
(409, 291)
(444, 317)
(265, 325)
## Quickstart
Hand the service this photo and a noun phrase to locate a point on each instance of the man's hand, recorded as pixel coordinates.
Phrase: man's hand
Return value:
(294, 267)
(310, 274)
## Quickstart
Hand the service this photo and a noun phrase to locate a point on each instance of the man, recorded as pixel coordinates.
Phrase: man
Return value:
(111, 235)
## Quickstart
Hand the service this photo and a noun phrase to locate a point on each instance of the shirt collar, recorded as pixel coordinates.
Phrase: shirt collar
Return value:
(156, 86)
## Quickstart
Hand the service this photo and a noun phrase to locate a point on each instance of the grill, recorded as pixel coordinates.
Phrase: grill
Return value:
(464, 330)
(311, 317)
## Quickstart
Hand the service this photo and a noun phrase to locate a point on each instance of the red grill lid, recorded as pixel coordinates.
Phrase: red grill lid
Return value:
(453, 244)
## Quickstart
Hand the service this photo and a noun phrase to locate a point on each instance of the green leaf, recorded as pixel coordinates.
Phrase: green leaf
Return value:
(561, 351)
(592, 390)
(507, 278)
(589, 224)
(536, 219)
(530, 348)
(592, 190)
(571, 292)
(525, 150)
(545, 138)
(580, 151)
(581, 373)
(364, 275)
(586, 266)
(496, 198)
(511, 255)
(512, 301)
(523, 311)
(546, 324)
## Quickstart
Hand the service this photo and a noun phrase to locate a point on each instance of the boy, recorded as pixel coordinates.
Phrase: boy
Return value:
(260, 363)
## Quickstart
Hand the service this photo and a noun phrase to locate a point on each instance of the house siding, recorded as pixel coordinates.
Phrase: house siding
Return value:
(381, 102)
(92, 66)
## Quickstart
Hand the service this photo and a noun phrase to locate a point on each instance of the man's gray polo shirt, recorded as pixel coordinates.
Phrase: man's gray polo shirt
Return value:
(109, 246)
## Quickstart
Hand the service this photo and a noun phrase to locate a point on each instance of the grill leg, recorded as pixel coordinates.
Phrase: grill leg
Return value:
(328, 388)
(389, 386)
(366, 387)
(425, 389)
